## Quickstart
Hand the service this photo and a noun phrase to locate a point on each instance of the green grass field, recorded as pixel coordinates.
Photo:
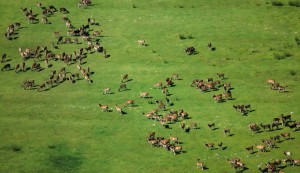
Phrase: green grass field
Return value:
(64, 130)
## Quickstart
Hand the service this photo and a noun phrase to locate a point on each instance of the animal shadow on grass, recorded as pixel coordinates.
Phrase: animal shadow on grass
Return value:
(123, 113)
(7, 60)
(167, 126)
(216, 128)
(223, 148)
(107, 56)
(231, 134)
(128, 80)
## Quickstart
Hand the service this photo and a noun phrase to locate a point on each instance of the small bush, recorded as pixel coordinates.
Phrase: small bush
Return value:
(134, 6)
(190, 36)
(182, 37)
(16, 148)
(180, 6)
(295, 3)
(292, 72)
(288, 54)
(277, 3)
(297, 39)
(278, 56)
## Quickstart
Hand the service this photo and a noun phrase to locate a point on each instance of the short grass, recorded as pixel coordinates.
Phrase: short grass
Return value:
(63, 129)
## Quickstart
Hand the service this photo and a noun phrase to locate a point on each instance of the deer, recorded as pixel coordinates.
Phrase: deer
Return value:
(122, 87)
(106, 91)
(210, 146)
(221, 75)
(173, 138)
(144, 95)
(200, 164)
(118, 109)
(103, 107)
(211, 126)
(261, 148)
(158, 85)
(129, 103)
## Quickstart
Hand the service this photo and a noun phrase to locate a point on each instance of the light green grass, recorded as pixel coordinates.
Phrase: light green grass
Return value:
(63, 129)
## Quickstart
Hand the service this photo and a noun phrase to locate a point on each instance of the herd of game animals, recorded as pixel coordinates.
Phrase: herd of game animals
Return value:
(171, 143)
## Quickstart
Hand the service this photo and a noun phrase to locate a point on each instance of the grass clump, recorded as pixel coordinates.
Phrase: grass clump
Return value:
(16, 148)
(295, 3)
(292, 72)
(277, 3)
(297, 39)
(182, 37)
(278, 56)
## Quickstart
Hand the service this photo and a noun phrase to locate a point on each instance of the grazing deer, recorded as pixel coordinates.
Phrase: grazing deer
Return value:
(106, 91)
(227, 95)
(226, 131)
(176, 149)
(220, 146)
(3, 58)
(17, 68)
(286, 135)
(217, 98)
(129, 103)
(23, 66)
(42, 87)
(193, 126)
(200, 164)
(158, 85)
(211, 126)
(182, 126)
(144, 95)
(174, 139)
(285, 118)
(122, 87)
(261, 148)
(151, 135)
(6, 67)
(270, 81)
(267, 126)
(103, 107)
(281, 88)
(124, 78)
(221, 75)
(210, 146)
(249, 149)
(63, 10)
(142, 42)
(175, 77)
(118, 109)
(253, 127)
(165, 91)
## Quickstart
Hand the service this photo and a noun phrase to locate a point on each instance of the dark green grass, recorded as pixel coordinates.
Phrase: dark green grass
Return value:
(63, 129)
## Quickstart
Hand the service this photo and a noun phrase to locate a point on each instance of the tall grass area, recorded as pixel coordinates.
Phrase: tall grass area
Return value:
(64, 130)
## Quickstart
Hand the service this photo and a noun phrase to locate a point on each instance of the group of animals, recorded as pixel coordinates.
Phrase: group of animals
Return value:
(44, 53)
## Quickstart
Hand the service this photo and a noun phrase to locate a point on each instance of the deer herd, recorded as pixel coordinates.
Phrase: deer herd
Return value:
(171, 143)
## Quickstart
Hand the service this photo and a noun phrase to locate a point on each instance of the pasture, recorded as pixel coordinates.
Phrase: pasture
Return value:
(61, 128)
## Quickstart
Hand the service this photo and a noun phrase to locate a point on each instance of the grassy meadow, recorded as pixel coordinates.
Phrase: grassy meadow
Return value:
(63, 129)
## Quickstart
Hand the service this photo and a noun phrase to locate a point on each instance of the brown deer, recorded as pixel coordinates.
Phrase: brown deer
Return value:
(103, 107)
(129, 103)
(118, 109)
(144, 95)
(106, 91)
(200, 164)
(158, 85)
(210, 146)
(174, 139)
